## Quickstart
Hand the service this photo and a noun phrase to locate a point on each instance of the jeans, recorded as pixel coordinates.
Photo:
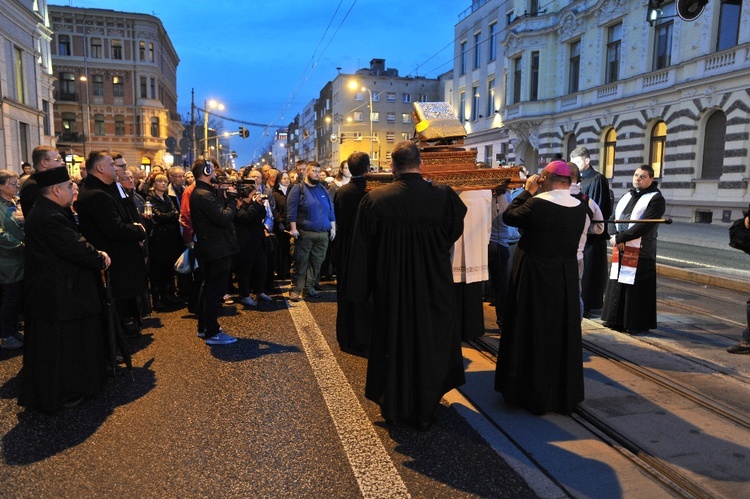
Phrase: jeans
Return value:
(309, 252)
(215, 276)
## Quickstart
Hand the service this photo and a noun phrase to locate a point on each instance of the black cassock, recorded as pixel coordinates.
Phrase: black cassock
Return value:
(400, 254)
(353, 319)
(540, 364)
(64, 349)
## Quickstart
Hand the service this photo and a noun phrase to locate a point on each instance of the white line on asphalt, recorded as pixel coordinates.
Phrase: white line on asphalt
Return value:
(371, 464)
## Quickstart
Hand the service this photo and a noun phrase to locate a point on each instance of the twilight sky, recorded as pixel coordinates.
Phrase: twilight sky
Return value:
(265, 60)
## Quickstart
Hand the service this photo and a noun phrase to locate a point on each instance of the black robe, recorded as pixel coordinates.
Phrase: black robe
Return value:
(400, 253)
(595, 252)
(540, 364)
(353, 319)
(64, 349)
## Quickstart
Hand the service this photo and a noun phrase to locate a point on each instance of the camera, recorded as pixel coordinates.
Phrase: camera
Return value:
(243, 186)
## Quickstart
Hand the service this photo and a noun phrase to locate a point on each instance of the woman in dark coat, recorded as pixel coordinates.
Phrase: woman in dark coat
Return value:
(280, 191)
(165, 243)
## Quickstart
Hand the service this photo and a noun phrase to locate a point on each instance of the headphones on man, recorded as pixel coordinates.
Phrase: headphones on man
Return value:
(207, 168)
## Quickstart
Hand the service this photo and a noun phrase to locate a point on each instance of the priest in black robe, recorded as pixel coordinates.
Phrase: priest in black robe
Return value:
(400, 254)
(64, 354)
(353, 319)
(540, 363)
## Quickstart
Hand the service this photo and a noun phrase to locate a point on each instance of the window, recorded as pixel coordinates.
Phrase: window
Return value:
(574, 66)
(357, 135)
(510, 17)
(405, 136)
(154, 126)
(375, 117)
(150, 52)
(116, 49)
(405, 118)
(359, 96)
(99, 124)
(97, 82)
(517, 66)
(375, 155)
(374, 137)
(63, 45)
(462, 107)
(406, 98)
(488, 155)
(137, 125)
(474, 103)
(47, 121)
(490, 98)
(534, 7)
(422, 97)
(614, 40)
(534, 90)
(375, 96)
(492, 49)
(658, 141)
(463, 58)
(610, 142)
(119, 125)
(390, 136)
(357, 115)
(153, 88)
(477, 50)
(69, 127)
(391, 97)
(390, 117)
(67, 86)
(96, 48)
(118, 89)
(23, 139)
(18, 75)
(729, 24)
(663, 38)
(144, 89)
(141, 51)
(714, 140)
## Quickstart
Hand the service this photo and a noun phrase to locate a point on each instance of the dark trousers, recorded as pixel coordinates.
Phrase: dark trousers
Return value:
(215, 275)
(251, 265)
(10, 308)
(498, 266)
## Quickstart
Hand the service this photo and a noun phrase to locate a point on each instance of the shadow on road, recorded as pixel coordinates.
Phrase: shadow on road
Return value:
(248, 349)
(38, 436)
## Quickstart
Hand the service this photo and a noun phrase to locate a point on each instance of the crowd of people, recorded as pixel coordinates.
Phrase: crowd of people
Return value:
(390, 249)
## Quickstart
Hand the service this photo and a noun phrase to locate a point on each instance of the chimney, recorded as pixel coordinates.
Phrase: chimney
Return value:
(377, 66)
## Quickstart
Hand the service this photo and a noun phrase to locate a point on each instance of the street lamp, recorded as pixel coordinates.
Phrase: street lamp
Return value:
(85, 115)
(354, 85)
(212, 104)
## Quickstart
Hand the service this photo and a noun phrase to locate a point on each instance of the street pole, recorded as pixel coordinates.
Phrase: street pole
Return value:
(205, 130)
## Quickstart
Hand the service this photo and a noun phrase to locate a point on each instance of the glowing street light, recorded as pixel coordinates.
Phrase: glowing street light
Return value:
(354, 85)
(212, 104)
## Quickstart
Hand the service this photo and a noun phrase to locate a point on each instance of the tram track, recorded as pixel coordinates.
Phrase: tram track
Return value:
(671, 477)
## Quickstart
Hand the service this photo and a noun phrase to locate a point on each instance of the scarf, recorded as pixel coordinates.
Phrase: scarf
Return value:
(624, 265)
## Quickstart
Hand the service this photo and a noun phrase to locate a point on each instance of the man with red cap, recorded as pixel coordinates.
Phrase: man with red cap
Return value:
(540, 365)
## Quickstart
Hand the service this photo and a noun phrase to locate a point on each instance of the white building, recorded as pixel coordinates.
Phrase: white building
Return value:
(596, 73)
(26, 91)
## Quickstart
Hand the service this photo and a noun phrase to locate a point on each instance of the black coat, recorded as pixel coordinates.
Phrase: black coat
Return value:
(62, 268)
(107, 224)
(164, 238)
(248, 222)
(212, 223)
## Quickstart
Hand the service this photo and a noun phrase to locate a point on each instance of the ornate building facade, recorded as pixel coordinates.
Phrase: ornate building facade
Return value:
(26, 81)
(116, 85)
(670, 93)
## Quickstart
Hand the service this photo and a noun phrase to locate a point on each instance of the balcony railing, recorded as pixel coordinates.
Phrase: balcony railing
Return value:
(72, 137)
(66, 96)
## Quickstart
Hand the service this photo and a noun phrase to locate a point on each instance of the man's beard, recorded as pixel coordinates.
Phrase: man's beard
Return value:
(313, 181)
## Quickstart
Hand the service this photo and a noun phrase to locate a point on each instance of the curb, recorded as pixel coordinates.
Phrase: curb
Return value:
(703, 278)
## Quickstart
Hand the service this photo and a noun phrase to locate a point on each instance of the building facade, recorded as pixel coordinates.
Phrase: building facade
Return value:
(346, 123)
(670, 93)
(26, 81)
(116, 85)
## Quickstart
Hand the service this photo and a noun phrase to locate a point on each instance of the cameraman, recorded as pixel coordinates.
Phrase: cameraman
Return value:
(216, 242)
(251, 262)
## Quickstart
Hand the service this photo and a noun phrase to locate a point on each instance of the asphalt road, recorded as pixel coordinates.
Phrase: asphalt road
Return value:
(249, 419)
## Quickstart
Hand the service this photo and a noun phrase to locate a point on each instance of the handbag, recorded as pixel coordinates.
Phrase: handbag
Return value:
(186, 263)
(739, 235)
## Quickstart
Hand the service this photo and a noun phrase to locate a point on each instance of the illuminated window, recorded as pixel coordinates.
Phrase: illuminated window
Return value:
(610, 142)
(658, 141)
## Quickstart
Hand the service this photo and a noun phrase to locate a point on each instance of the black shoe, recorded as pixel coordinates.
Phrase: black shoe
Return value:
(172, 299)
(739, 348)
(638, 331)
(158, 305)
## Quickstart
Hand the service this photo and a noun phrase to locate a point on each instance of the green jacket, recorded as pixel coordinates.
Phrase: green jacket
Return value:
(11, 248)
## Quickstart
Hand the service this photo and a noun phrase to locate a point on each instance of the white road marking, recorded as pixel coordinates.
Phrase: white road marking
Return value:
(372, 466)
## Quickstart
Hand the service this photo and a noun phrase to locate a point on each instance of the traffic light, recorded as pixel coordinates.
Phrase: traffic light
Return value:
(244, 132)
(341, 138)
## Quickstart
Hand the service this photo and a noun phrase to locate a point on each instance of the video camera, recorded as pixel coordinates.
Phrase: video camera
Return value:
(243, 186)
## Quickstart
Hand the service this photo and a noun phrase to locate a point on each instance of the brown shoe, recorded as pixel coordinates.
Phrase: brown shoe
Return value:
(740, 348)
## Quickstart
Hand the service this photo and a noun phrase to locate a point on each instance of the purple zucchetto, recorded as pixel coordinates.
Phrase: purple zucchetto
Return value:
(53, 176)
(560, 168)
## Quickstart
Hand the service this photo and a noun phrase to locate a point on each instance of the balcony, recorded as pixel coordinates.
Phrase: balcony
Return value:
(70, 138)
(66, 96)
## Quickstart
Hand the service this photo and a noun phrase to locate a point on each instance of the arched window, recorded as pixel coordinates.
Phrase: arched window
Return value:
(154, 126)
(608, 164)
(570, 143)
(658, 141)
(714, 137)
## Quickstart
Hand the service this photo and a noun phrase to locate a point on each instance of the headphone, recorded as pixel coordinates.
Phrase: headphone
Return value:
(207, 168)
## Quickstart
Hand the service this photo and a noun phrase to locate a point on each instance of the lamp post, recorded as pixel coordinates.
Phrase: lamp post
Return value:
(212, 104)
(354, 85)
(85, 113)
